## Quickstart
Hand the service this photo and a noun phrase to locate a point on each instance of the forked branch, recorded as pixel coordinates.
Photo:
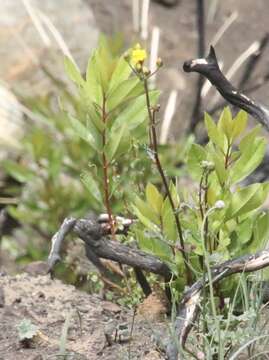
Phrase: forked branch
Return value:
(209, 68)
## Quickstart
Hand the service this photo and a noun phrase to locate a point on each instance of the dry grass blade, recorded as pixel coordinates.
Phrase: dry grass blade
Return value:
(168, 116)
(37, 23)
(145, 19)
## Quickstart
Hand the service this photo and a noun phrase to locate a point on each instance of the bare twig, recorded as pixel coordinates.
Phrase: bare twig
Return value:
(224, 27)
(58, 238)
(253, 61)
(209, 68)
(201, 51)
(241, 59)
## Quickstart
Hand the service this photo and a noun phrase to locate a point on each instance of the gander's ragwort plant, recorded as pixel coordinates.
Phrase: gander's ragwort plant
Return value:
(191, 231)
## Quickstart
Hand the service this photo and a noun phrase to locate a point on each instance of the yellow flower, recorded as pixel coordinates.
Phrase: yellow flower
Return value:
(138, 55)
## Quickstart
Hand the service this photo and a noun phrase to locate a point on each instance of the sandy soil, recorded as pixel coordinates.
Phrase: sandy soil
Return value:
(93, 323)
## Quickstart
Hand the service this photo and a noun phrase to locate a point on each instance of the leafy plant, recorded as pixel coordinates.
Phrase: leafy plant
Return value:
(226, 211)
(68, 140)
(27, 331)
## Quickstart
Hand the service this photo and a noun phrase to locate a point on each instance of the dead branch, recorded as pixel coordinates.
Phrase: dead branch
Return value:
(93, 236)
(94, 232)
(209, 68)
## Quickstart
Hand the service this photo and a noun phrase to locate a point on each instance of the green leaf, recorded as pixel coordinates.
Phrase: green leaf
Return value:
(144, 220)
(168, 221)
(244, 231)
(121, 92)
(154, 246)
(221, 172)
(174, 194)
(214, 134)
(92, 187)
(249, 160)
(239, 123)
(246, 200)
(136, 112)
(225, 123)
(93, 87)
(82, 131)
(17, 171)
(154, 198)
(113, 144)
(195, 156)
(261, 229)
(147, 211)
(122, 72)
(73, 72)
(249, 138)
(26, 329)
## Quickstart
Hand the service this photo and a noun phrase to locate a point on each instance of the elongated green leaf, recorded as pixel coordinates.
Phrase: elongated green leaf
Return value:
(215, 135)
(147, 211)
(246, 200)
(121, 92)
(136, 112)
(174, 194)
(93, 87)
(249, 160)
(73, 72)
(154, 246)
(261, 230)
(17, 171)
(115, 138)
(91, 186)
(195, 156)
(122, 72)
(154, 198)
(168, 221)
(144, 220)
(82, 131)
(225, 123)
(249, 138)
(244, 231)
(218, 161)
(239, 123)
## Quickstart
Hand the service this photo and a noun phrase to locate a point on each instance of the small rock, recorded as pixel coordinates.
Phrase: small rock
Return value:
(37, 268)
(152, 355)
(111, 307)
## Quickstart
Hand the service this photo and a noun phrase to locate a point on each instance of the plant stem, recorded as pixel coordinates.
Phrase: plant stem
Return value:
(154, 145)
(105, 172)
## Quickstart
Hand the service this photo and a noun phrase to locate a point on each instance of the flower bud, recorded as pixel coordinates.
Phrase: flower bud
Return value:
(138, 67)
(208, 165)
(159, 62)
(156, 108)
(219, 204)
(126, 56)
(146, 71)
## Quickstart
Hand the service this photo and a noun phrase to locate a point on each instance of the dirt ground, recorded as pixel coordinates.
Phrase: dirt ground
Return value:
(93, 324)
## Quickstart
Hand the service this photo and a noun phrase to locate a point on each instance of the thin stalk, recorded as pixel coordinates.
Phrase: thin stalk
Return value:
(207, 264)
(154, 145)
(105, 172)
